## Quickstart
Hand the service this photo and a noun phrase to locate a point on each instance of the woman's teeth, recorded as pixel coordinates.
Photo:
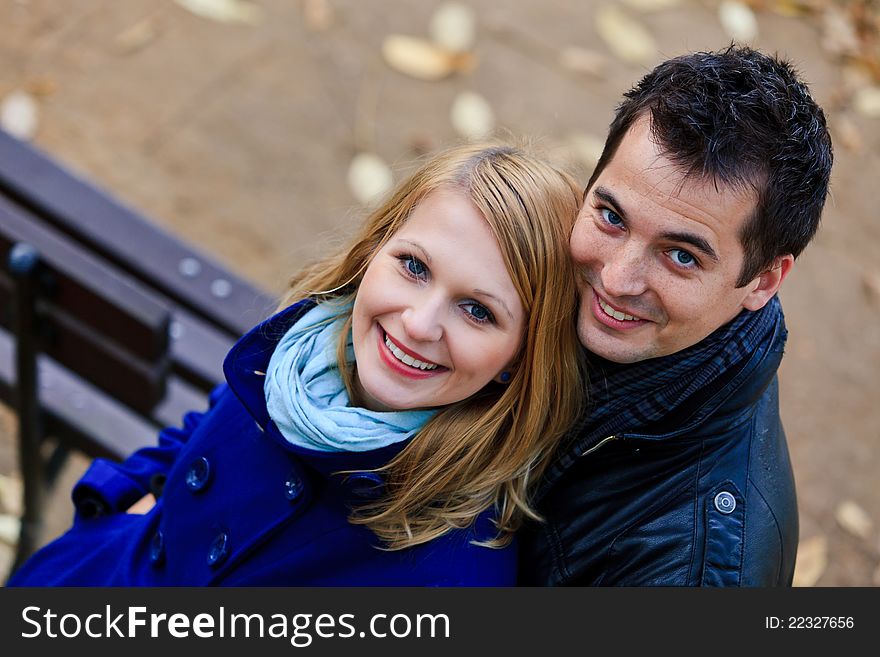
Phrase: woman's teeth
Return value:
(616, 314)
(406, 358)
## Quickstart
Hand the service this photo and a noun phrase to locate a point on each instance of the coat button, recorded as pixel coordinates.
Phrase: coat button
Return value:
(157, 548)
(198, 475)
(366, 485)
(293, 487)
(725, 502)
(219, 550)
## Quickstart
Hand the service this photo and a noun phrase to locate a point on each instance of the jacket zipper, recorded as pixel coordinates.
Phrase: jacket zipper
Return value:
(601, 442)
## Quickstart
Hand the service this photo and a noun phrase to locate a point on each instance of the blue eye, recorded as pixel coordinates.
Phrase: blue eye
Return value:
(414, 267)
(683, 258)
(478, 312)
(611, 217)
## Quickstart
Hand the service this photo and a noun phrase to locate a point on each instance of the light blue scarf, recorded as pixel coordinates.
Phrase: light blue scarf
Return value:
(307, 401)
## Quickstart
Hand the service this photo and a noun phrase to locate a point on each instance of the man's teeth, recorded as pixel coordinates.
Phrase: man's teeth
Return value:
(406, 358)
(616, 314)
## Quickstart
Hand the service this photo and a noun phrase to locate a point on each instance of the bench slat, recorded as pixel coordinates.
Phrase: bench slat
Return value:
(128, 240)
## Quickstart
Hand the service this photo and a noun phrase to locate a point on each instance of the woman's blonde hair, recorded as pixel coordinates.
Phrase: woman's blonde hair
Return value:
(490, 449)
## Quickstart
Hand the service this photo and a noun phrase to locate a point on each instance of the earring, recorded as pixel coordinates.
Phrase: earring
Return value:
(505, 377)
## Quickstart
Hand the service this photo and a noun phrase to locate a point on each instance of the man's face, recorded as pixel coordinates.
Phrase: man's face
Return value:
(659, 256)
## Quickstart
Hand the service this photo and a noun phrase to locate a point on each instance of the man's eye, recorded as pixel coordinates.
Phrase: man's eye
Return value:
(611, 217)
(682, 258)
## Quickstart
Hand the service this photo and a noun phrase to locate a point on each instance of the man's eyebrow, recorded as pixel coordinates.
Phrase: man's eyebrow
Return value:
(693, 239)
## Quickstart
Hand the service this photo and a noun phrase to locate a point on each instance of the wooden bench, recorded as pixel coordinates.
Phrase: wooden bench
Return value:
(110, 328)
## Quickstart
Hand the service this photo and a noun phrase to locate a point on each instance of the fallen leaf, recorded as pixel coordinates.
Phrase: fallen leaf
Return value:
(812, 559)
(854, 519)
(738, 21)
(867, 102)
(472, 116)
(418, 58)
(626, 38)
(138, 36)
(11, 491)
(586, 148)
(18, 115)
(453, 26)
(581, 60)
(317, 15)
(652, 5)
(10, 526)
(369, 178)
(796, 8)
(846, 133)
(871, 285)
(41, 87)
(7, 557)
(224, 11)
(838, 33)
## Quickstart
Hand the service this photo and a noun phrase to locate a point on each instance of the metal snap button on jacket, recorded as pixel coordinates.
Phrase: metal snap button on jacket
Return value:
(725, 502)
(366, 485)
(293, 487)
(198, 475)
(219, 550)
(157, 548)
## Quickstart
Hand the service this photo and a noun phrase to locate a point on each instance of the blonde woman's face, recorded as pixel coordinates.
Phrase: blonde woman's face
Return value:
(436, 317)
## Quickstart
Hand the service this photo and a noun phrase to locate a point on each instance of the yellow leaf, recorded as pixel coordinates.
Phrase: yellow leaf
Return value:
(19, 115)
(317, 15)
(224, 11)
(417, 58)
(738, 21)
(854, 519)
(10, 526)
(581, 60)
(136, 37)
(838, 33)
(472, 116)
(652, 5)
(369, 178)
(453, 26)
(867, 102)
(626, 38)
(847, 134)
(812, 559)
(11, 491)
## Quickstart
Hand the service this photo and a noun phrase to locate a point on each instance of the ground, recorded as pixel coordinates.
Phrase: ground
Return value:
(238, 138)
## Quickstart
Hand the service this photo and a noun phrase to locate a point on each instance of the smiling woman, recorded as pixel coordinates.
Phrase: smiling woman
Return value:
(387, 426)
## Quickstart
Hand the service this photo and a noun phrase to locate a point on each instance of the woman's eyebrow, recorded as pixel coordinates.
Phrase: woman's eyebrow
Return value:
(418, 247)
(496, 299)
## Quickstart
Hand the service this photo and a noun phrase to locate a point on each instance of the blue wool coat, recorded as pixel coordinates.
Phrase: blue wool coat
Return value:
(243, 507)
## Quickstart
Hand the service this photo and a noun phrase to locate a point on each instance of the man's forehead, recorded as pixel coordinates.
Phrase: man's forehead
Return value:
(641, 175)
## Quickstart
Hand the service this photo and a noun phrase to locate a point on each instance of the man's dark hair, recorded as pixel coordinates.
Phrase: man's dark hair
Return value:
(742, 119)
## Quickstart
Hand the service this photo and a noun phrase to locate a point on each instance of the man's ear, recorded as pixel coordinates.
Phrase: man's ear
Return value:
(765, 286)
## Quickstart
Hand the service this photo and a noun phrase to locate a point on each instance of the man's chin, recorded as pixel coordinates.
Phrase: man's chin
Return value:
(610, 348)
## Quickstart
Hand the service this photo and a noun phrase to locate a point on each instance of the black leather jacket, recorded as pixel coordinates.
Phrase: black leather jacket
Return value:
(708, 500)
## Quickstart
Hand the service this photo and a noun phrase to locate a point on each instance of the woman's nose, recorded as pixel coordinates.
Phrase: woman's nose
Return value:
(422, 321)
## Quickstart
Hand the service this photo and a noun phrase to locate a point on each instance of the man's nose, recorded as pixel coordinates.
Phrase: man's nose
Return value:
(625, 271)
(422, 319)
